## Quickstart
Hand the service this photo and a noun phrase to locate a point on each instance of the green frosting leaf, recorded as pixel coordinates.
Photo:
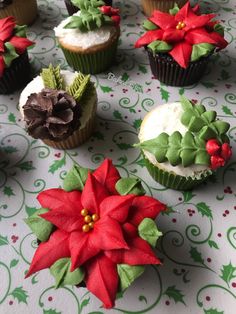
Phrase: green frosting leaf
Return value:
(219, 29)
(149, 26)
(79, 86)
(85, 4)
(75, 178)
(62, 274)
(221, 126)
(40, 227)
(128, 274)
(51, 77)
(127, 186)
(174, 10)
(207, 133)
(9, 54)
(148, 231)
(201, 50)
(160, 46)
(20, 31)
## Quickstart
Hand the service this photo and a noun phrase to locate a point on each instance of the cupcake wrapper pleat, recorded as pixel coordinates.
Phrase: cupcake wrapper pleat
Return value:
(163, 5)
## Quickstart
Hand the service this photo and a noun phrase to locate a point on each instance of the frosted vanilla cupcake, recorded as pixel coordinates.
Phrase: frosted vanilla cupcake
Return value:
(89, 38)
(59, 108)
(183, 144)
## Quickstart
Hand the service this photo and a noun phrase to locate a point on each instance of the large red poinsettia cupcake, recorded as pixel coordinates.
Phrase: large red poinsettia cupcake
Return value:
(14, 62)
(98, 231)
(179, 44)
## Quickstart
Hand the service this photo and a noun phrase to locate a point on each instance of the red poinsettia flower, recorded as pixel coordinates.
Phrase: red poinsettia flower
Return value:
(97, 229)
(220, 154)
(182, 31)
(7, 26)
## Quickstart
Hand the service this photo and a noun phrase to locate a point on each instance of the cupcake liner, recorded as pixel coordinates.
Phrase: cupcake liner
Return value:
(78, 137)
(73, 9)
(173, 181)
(17, 75)
(91, 63)
(163, 5)
(169, 72)
(24, 11)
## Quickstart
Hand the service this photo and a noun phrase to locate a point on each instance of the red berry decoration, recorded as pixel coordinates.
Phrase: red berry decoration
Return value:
(216, 162)
(212, 147)
(116, 19)
(105, 9)
(226, 151)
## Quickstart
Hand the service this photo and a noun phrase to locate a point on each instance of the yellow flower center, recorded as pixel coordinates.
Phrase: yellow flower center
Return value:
(180, 25)
(89, 220)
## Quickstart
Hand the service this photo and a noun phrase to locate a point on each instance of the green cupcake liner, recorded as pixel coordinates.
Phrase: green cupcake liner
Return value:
(91, 63)
(173, 181)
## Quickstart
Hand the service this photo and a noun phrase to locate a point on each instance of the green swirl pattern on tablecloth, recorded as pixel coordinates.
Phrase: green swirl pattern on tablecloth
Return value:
(198, 246)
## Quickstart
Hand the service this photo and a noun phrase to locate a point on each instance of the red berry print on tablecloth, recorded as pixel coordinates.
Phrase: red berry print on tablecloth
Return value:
(228, 190)
(57, 155)
(167, 302)
(208, 298)
(234, 284)
(50, 299)
(10, 302)
(14, 238)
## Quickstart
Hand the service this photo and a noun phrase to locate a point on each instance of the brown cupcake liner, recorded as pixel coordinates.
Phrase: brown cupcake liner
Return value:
(173, 181)
(73, 9)
(78, 137)
(24, 11)
(167, 71)
(17, 75)
(162, 5)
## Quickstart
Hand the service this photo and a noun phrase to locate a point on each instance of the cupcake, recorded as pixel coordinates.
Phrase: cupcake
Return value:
(90, 37)
(73, 5)
(99, 231)
(59, 107)
(180, 43)
(162, 5)
(24, 11)
(14, 61)
(183, 144)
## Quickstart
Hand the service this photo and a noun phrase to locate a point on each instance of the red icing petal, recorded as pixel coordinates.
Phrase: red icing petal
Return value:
(144, 207)
(196, 8)
(173, 35)
(117, 207)
(163, 20)
(220, 41)
(2, 66)
(6, 26)
(216, 162)
(107, 175)
(140, 253)
(212, 147)
(184, 12)
(66, 220)
(199, 36)
(149, 37)
(93, 194)
(226, 151)
(108, 235)
(59, 199)
(130, 230)
(20, 43)
(182, 53)
(196, 21)
(102, 279)
(49, 252)
(81, 248)
(2, 48)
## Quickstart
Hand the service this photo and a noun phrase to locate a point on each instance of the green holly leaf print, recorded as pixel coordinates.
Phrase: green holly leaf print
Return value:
(8, 191)
(208, 84)
(175, 294)
(196, 256)
(13, 263)
(168, 211)
(9, 149)
(51, 311)
(204, 209)
(142, 69)
(3, 240)
(164, 94)
(213, 244)
(125, 77)
(106, 89)
(213, 311)
(30, 210)
(137, 123)
(181, 91)
(12, 118)
(98, 135)
(224, 75)
(141, 162)
(84, 303)
(56, 165)
(188, 195)
(20, 294)
(227, 110)
(26, 165)
(117, 115)
(228, 273)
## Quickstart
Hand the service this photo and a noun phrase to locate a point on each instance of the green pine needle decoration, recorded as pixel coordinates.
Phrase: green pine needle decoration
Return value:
(79, 86)
(52, 77)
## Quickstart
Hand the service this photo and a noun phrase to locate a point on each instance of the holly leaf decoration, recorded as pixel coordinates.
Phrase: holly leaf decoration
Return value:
(174, 294)
(228, 272)
(8, 191)
(30, 210)
(9, 149)
(128, 274)
(188, 195)
(52, 78)
(169, 210)
(224, 75)
(117, 115)
(9, 54)
(204, 209)
(60, 270)
(85, 4)
(75, 178)
(20, 294)
(79, 86)
(164, 94)
(213, 244)
(85, 302)
(196, 256)
(142, 69)
(13, 263)
(227, 110)
(213, 311)
(56, 165)
(106, 89)
(3, 240)
(125, 77)
(26, 165)
(148, 231)
(137, 123)
(127, 186)
(51, 311)
(12, 117)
